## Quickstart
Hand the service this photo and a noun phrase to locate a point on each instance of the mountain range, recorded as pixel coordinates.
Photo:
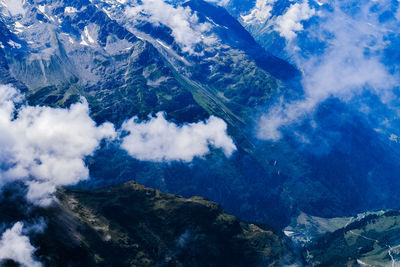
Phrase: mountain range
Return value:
(197, 61)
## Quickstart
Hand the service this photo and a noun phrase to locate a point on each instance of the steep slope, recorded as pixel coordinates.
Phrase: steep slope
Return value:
(341, 156)
(97, 49)
(131, 225)
(63, 49)
(129, 60)
(127, 65)
(258, 17)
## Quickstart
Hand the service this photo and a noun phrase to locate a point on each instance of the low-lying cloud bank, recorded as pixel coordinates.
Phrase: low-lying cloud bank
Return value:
(159, 140)
(45, 147)
(341, 55)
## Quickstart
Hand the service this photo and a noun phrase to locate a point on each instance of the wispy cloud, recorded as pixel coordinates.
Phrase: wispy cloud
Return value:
(184, 23)
(287, 24)
(160, 140)
(347, 62)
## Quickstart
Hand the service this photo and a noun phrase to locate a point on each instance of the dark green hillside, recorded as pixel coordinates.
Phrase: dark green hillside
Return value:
(132, 225)
(123, 75)
(370, 241)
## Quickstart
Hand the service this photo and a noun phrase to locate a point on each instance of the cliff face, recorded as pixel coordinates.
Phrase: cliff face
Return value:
(132, 225)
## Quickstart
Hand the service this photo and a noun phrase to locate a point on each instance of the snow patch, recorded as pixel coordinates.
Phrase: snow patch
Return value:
(107, 12)
(163, 45)
(42, 8)
(14, 44)
(19, 27)
(90, 34)
(69, 9)
(89, 38)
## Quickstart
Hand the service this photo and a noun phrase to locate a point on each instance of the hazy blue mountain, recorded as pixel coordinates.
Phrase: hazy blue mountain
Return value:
(130, 65)
(308, 89)
(347, 152)
(60, 50)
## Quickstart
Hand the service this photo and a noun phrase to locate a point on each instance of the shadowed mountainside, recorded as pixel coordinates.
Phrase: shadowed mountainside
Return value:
(132, 225)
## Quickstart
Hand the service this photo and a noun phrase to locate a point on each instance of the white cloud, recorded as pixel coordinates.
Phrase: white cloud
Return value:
(219, 2)
(185, 26)
(260, 13)
(291, 22)
(17, 247)
(287, 24)
(349, 65)
(159, 140)
(283, 114)
(15, 7)
(45, 147)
